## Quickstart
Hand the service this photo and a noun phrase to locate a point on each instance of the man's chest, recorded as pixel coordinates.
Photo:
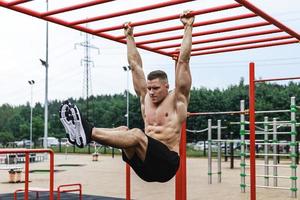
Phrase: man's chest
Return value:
(159, 115)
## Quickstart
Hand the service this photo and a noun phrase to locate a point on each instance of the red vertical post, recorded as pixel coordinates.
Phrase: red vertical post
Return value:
(51, 195)
(180, 185)
(127, 182)
(26, 176)
(252, 130)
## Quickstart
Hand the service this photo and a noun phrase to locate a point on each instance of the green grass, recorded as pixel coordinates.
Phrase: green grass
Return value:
(190, 152)
(84, 150)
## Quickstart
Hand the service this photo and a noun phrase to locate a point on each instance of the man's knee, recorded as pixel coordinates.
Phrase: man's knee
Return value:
(141, 142)
(139, 135)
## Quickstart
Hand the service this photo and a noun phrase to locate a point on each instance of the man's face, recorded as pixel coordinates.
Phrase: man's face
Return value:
(157, 90)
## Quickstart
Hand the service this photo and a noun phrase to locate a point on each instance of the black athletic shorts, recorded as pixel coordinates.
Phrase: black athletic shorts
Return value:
(160, 163)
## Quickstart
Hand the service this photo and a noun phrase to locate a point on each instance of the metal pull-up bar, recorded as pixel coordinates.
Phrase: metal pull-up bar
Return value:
(276, 79)
(130, 11)
(293, 41)
(210, 22)
(240, 43)
(171, 17)
(74, 7)
(106, 32)
(268, 18)
(231, 37)
(220, 30)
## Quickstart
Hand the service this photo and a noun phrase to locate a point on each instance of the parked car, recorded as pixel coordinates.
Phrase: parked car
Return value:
(51, 141)
(200, 145)
(64, 142)
(23, 143)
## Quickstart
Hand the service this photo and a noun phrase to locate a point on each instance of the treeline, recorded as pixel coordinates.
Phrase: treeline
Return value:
(110, 111)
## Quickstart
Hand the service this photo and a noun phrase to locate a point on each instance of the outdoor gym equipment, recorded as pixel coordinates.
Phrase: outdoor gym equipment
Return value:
(273, 26)
(293, 108)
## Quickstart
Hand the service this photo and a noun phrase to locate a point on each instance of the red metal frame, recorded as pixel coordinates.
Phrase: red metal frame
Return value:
(180, 181)
(128, 182)
(73, 189)
(288, 36)
(252, 131)
(59, 190)
(252, 82)
(27, 152)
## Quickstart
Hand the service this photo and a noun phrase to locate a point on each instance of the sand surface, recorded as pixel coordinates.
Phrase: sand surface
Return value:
(106, 177)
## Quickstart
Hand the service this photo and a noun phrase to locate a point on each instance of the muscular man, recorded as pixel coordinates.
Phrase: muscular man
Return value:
(152, 154)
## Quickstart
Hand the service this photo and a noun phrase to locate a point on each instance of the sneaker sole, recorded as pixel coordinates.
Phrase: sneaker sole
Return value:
(67, 124)
(80, 135)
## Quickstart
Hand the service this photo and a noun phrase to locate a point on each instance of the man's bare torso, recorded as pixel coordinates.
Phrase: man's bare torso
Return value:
(163, 121)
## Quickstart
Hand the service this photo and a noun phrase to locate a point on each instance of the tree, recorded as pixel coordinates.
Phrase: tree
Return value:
(6, 137)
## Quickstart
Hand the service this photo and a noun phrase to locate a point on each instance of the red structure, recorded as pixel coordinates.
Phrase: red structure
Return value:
(27, 152)
(252, 83)
(153, 42)
(70, 188)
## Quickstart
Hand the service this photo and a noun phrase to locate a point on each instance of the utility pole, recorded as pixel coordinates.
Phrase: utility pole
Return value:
(86, 61)
(127, 69)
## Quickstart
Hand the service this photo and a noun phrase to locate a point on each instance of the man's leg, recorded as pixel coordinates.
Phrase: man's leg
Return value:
(132, 141)
(122, 128)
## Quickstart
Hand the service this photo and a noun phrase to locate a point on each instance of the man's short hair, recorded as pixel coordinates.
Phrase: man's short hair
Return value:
(161, 75)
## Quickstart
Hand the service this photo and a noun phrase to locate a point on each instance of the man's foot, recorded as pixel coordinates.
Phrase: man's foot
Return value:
(84, 129)
(68, 122)
(78, 127)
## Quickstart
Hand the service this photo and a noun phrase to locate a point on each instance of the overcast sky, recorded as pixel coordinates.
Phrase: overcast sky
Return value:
(22, 41)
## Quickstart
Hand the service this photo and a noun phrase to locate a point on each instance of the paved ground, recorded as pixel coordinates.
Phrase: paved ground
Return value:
(106, 178)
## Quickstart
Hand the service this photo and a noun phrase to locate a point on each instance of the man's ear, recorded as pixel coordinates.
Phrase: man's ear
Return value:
(167, 85)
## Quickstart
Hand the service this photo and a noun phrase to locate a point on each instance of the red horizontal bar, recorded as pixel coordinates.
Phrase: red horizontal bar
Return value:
(80, 28)
(74, 7)
(110, 37)
(244, 48)
(130, 11)
(239, 43)
(234, 28)
(215, 113)
(215, 21)
(13, 3)
(268, 18)
(14, 150)
(172, 17)
(275, 79)
(231, 37)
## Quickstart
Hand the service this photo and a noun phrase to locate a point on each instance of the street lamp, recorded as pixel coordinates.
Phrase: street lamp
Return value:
(127, 69)
(45, 63)
(31, 83)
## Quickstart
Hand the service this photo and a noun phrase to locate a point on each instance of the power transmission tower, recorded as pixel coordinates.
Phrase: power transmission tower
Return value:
(87, 62)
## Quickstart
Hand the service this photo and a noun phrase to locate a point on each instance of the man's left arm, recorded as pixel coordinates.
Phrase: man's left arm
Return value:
(183, 79)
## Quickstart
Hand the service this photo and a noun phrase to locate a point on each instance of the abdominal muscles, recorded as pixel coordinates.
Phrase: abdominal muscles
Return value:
(169, 135)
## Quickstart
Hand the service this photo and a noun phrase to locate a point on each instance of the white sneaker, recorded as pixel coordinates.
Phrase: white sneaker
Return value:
(78, 128)
(67, 120)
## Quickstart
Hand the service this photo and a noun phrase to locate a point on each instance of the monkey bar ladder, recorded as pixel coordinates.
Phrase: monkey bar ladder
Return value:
(260, 30)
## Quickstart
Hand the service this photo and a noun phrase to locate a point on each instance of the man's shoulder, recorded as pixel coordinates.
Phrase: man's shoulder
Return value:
(171, 94)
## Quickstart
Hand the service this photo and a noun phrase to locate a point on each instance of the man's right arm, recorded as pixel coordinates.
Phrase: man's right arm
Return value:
(135, 62)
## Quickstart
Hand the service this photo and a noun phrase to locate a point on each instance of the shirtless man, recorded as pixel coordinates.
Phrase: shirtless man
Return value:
(152, 154)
